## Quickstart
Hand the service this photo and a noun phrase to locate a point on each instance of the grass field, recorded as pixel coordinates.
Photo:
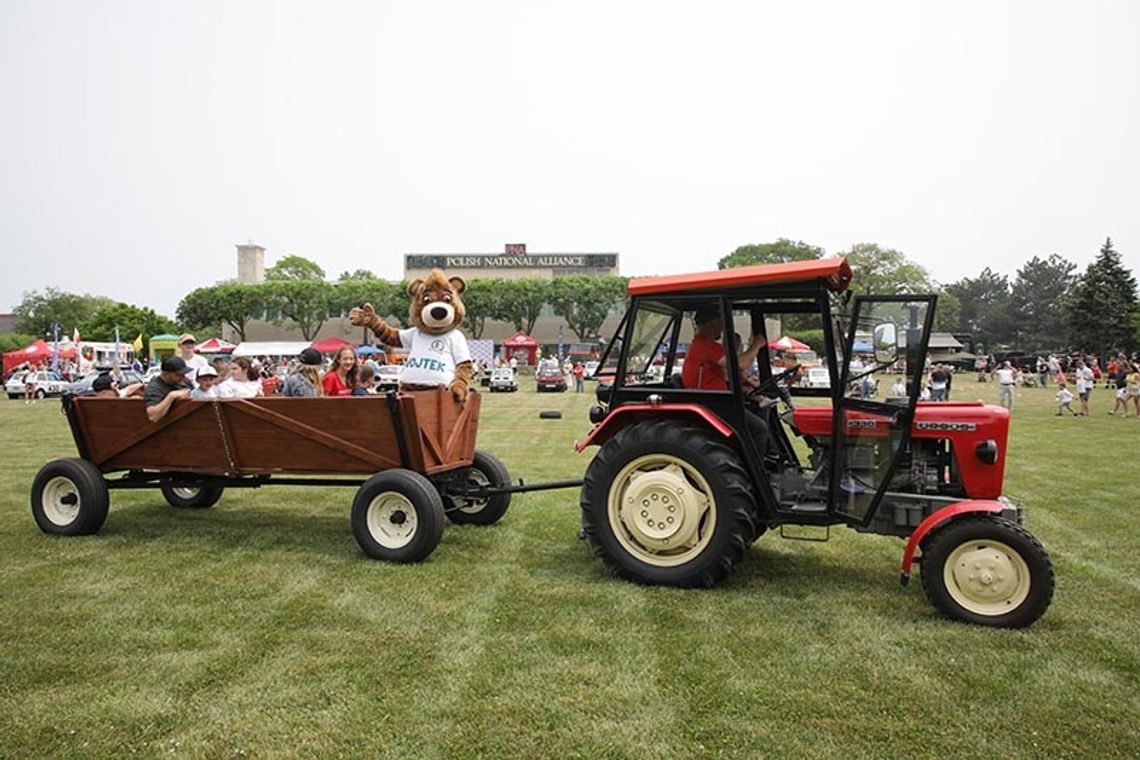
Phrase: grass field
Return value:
(257, 628)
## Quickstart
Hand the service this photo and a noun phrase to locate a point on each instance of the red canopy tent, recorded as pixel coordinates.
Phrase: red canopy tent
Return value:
(521, 344)
(788, 344)
(36, 353)
(215, 346)
(332, 345)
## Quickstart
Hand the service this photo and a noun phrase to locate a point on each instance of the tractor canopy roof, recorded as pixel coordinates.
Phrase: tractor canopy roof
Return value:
(834, 272)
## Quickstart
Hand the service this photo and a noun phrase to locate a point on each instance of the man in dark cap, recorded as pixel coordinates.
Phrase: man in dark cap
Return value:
(165, 387)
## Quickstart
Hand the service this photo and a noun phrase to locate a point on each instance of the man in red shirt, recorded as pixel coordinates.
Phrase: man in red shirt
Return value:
(705, 361)
(704, 367)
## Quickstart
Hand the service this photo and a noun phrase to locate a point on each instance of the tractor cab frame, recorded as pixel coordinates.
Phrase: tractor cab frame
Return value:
(681, 484)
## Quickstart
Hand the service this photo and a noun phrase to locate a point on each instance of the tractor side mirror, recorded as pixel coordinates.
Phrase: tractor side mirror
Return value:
(886, 341)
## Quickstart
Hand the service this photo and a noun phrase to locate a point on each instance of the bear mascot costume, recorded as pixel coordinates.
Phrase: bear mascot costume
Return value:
(437, 350)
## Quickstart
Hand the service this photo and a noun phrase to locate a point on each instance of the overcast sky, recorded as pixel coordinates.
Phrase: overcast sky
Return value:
(140, 141)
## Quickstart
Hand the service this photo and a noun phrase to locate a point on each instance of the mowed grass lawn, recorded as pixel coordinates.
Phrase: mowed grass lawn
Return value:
(258, 628)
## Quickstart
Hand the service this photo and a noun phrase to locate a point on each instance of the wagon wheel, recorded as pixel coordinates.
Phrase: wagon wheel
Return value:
(183, 496)
(667, 503)
(987, 570)
(485, 471)
(70, 498)
(397, 516)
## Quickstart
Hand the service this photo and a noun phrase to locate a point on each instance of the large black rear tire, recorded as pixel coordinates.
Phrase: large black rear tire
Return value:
(397, 516)
(70, 498)
(486, 470)
(668, 503)
(987, 570)
(191, 497)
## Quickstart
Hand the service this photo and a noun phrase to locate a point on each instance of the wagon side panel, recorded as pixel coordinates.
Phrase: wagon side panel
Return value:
(117, 435)
(444, 432)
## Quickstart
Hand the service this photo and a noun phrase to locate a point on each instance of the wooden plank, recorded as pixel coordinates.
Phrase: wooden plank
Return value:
(180, 409)
(375, 459)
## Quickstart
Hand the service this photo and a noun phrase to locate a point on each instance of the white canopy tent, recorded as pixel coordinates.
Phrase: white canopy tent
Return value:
(288, 348)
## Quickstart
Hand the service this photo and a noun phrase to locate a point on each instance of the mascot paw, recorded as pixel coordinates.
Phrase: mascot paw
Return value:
(362, 316)
(459, 391)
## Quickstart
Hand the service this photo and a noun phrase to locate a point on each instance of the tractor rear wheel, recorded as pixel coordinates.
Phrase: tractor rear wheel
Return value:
(667, 503)
(987, 570)
(485, 471)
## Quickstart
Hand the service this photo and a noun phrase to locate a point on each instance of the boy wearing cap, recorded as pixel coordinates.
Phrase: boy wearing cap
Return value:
(207, 378)
(194, 362)
(165, 387)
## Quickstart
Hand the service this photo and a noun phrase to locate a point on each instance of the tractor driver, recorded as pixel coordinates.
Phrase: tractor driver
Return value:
(705, 364)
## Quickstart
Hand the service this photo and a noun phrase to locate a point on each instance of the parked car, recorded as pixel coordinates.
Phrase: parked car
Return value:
(550, 379)
(83, 384)
(388, 377)
(47, 383)
(503, 379)
(815, 377)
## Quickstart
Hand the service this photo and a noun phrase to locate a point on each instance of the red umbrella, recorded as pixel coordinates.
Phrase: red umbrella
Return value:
(788, 344)
(332, 345)
(215, 346)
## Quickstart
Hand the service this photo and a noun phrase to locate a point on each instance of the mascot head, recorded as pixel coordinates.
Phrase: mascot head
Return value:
(436, 306)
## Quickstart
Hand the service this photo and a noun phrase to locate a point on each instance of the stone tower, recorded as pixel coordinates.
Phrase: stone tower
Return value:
(251, 263)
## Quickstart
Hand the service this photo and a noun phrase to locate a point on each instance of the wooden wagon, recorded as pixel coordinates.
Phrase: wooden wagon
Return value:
(417, 451)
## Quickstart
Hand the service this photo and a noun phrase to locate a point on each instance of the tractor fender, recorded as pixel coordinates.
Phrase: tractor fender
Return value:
(938, 518)
(624, 416)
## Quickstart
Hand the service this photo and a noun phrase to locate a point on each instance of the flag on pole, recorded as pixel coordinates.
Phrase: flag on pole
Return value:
(137, 344)
(75, 338)
(118, 356)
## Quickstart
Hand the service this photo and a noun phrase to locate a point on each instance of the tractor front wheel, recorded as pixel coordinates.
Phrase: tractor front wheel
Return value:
(987, 570)
(667, 503)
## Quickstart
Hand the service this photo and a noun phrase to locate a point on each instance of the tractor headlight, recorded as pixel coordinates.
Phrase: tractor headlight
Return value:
(603, 393)
(597, 414)
(987, 451)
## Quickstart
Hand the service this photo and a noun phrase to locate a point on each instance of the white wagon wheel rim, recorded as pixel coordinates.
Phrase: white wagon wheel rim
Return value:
(186, 492)
(986, 577)
(60, 500)
(661, 510)
(392, 520)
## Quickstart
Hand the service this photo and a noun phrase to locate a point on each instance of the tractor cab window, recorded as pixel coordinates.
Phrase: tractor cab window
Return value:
(879, 350)
(649, 353)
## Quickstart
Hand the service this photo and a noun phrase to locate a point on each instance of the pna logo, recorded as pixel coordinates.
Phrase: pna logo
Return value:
(437, 345)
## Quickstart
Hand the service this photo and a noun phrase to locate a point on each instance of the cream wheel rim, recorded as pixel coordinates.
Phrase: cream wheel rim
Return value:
(392, 520)
(186, 492)
(986, 577)
(61, 501)
(661, 510)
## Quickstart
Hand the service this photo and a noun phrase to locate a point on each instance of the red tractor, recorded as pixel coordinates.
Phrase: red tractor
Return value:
(690, 473)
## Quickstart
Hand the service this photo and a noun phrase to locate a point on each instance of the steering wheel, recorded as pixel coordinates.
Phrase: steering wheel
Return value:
(772, 382)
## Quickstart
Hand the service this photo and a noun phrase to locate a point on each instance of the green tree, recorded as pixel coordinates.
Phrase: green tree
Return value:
(1102, 305)
(948, 313)
(984, 304)
(483, 301)
(885, 271)
(522, 302)
(305, 303)
(359, 274)
(12, 341)
(388, 298)
(231, 303)
(779, 252)
(295, 267)
(1034, 297)
(38, 311)
(585, 301)
(130, 320)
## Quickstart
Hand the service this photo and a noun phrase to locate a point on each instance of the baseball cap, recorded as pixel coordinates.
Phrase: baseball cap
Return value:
(206, 371)
(174, 364)
(102, 383)
(310, 356)
(186, 338)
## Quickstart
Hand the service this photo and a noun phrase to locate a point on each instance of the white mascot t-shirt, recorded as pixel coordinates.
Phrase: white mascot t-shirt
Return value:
(432, 358)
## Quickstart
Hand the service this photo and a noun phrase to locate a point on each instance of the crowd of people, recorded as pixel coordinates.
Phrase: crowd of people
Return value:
(1075, 377)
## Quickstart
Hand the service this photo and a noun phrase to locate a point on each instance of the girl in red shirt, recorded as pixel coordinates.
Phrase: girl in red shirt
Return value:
(341, 379)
